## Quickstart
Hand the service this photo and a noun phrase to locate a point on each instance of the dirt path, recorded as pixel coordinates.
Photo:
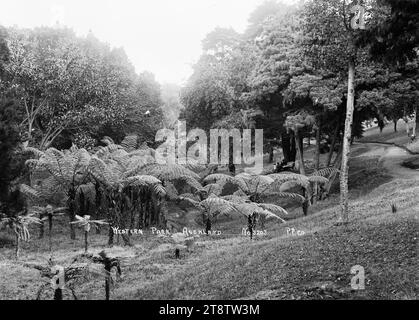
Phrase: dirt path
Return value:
(391, 158)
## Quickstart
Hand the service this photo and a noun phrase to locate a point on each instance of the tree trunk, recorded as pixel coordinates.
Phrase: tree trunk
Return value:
(41, 229)
(17, 249)
(72, 211)
(318, 136)
(333, 144)
(346, 143)
(271, 154)
(337, 164)
(86, 241)
(110, 236)
(107, 282)
(395, 124)
(300, 151)
(305, 204)
(317, 162)
(58, 294)
(415, 122)
(288, 147)
(50, 231)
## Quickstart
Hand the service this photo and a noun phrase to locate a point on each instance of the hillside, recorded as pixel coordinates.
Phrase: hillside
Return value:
(315, 265)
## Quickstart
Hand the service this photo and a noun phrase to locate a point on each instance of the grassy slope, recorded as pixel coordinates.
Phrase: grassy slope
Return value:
(389, 136)
(385, 244)
(316, 265)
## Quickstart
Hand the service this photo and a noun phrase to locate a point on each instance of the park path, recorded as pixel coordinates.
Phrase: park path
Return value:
(392, 158)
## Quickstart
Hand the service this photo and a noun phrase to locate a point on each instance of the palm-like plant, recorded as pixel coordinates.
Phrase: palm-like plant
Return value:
(47, 213)
(256, 187)
(109, 264)
(73, 274)
(86, 224)
(214, 206)
(19, 224)
(330, 173)
(284, 182)
(67, 170)
(126, 194)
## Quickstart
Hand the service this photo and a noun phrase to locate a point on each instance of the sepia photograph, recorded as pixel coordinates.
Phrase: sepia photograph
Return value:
(212, 157)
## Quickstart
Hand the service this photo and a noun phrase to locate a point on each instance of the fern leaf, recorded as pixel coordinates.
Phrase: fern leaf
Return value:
(273, 208)
(223, 179)
(318, 179)
(289, 195)
(325, 172)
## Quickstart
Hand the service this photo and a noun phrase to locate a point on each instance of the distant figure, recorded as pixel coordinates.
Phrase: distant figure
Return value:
(381, 124)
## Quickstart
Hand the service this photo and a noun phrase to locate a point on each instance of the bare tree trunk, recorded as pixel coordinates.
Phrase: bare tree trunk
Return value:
(317, 162)
(307, 192)
(318, 136)
(300, 152)
(41, 229)
(17, 249)
(337, 164)
(395, 124)
(415, 122)
(346, 143)
(332, 146)
(72, 211)
(271, 154)
(58, 294)
(86, 241)
(50, 231)
(110, 236)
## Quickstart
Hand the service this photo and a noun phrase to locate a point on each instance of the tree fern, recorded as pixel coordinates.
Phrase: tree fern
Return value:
(325, 172)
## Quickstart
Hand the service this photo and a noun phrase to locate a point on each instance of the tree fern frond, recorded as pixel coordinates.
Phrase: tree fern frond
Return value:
(273, 208)
(215, 203)
(189, 201)
(318, 179)
(289, 195)
(159, 190)
(325, 172)
(191, 164)
(29, 191)
(223, 179)
(37, 153)
(213, 188)
(107, 140)
(32, 163)
(235, 198)
(299, 179)
(99, 170)
(130, 142)
(190, 196)
(192, 183)
(143, 180)
(171, 190)
(168, 172)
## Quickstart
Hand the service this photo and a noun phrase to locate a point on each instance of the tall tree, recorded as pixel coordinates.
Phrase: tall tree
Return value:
(330, 43)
